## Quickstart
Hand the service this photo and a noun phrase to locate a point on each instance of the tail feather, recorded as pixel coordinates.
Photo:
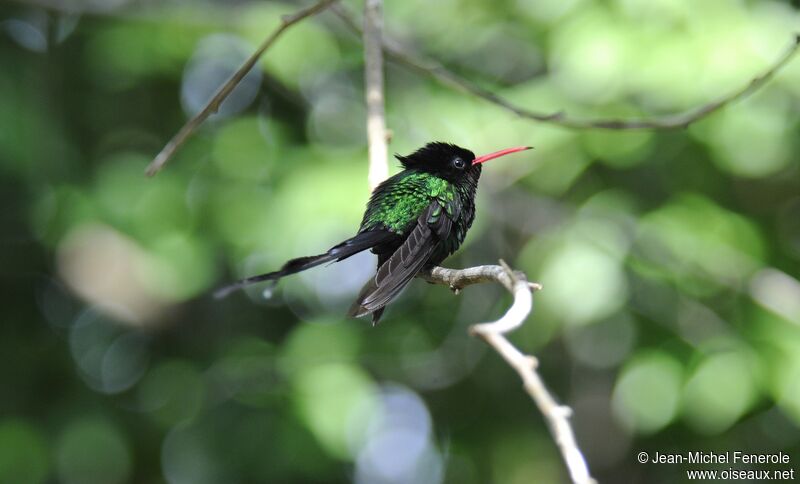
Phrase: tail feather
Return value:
(357, 310)
(291, 267)
(352, 246)
(376, 315)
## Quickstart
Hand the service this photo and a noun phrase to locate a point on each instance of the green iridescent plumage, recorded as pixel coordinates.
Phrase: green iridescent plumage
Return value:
(397, 203)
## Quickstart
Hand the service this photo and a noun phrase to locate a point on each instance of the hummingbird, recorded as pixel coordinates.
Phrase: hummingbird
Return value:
(414, 220)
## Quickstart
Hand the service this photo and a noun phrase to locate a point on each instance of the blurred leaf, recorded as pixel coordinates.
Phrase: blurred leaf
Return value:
(247, 371)
(181, 267)
(244, 150)
(319, 343)
(720, 390)
(752, 139)
(646, 395)
(334, 399)
(306, 51)
(121, 54)
(700, 244)
(172, 392)
(580, 272)
(23, 453)
(91, 451)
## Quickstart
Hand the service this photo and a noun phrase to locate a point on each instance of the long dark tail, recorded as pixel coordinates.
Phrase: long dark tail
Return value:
(352, 246)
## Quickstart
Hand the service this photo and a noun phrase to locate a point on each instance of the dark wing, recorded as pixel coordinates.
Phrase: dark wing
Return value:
(432, 228)
(362, 241)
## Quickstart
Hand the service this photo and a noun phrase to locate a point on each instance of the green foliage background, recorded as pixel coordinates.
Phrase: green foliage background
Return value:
(670, 260)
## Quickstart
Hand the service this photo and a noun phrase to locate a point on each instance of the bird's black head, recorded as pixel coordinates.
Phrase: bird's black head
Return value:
(445, 160)
(449, 161)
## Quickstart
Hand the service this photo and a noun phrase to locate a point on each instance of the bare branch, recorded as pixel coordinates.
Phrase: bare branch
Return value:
(213, 105)
(557, 416)
(373, 80)
(438, 71)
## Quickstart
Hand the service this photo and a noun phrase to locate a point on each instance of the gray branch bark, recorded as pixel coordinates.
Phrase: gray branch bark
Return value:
(373, 79)
(494, 334)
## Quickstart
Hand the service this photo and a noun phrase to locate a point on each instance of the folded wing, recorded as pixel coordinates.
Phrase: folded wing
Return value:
(431, 229)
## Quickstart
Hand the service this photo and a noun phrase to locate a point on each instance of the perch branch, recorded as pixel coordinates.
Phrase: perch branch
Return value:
(494, 334)
(374, 92)
(213, 105)
(438, 71)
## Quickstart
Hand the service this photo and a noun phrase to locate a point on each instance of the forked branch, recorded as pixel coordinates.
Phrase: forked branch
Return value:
(494, 333)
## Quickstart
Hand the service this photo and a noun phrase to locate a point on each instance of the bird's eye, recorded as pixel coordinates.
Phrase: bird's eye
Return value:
(458, 163)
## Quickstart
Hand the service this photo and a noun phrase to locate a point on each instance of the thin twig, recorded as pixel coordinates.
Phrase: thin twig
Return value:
(374, 92)
(557, 416)
(213, 105)
(447, 77)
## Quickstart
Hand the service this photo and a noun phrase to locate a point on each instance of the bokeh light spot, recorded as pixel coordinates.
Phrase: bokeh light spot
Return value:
(647, 394)
(93, 451)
